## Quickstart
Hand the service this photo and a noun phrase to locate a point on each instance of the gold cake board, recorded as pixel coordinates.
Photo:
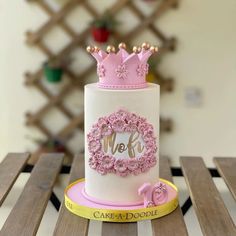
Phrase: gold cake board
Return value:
(78, 205)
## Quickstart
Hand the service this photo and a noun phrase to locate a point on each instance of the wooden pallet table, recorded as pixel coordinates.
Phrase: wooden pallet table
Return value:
(25, 217)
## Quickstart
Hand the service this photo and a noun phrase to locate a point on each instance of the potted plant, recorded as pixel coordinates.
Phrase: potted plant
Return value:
(152, 68)
(102, 27)
(53, 69)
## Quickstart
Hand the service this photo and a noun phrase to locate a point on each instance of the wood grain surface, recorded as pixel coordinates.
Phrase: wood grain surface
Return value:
(68, 223)
(10, 168)
(227, 169)
(27, 213)
(172, 224)
(210, 209)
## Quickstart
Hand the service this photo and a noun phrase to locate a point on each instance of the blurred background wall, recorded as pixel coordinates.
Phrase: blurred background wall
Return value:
(205, 61)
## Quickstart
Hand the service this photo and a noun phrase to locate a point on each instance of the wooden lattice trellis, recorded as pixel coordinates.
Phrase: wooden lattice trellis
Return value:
(57, 18)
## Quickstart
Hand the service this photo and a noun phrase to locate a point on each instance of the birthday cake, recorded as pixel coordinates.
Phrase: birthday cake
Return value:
(122, 135)
(121, 126)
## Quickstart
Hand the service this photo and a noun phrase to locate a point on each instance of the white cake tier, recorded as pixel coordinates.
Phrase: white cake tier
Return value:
(103, 102)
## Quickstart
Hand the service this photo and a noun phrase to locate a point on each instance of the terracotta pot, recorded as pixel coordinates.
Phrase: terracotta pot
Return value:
(52, 74)
(100, 35)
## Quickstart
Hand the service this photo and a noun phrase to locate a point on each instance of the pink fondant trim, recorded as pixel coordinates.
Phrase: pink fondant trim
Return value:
(127, 86)
(74, 193)
(110, 203)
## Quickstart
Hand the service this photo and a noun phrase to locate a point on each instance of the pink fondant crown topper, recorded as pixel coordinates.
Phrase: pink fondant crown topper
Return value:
(121, 70)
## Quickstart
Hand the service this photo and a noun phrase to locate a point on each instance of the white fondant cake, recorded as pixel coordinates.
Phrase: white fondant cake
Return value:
(122, 130)
(100, 103)
(122, 143)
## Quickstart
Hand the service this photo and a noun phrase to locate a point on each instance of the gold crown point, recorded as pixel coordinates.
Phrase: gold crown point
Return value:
(135, 49)
(111, 49)
(145, 45)
(90, 49)
(153, 49)
(122, 45)
(96, 49)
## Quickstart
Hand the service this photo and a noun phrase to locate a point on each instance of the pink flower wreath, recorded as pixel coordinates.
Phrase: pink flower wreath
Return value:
(121, 121)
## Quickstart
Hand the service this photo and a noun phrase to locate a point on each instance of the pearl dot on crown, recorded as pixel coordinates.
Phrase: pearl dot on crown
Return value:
(90, 49)
(96, 49)
(145, 45)
(122, 45)
(111, 48)
(135, 49)
(153, 49)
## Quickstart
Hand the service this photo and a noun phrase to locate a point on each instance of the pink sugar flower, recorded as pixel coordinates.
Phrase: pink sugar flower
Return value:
(89, 137)
(142, 128)
(133, 117)
(149, 131)
(137, 172)
(106, 129)
(93, 162)
(120, 165)
(143, 165)
(98, 155)
(102, 120)
(123, 174)
(101, 70)
(118, 125)
(95, 132)
(112, 117)
(132, 164)
(122, 71)
(101, 170)
(151, 144)
(121, 114)
(141, 120)
(94, 145)
(142, 70)
(111, 170)
(146, 68)
(107, 162)
(130, 127)
(151, 160)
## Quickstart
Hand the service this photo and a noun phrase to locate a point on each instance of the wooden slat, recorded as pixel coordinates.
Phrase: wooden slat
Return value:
(227, 169)
(10, 168)
(212, 214)
(172, 224)
(117, 229)
(68, 223)
(27, 213)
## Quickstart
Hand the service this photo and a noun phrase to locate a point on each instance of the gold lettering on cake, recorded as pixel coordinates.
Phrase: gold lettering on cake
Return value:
(132, 146)
(133, 143)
